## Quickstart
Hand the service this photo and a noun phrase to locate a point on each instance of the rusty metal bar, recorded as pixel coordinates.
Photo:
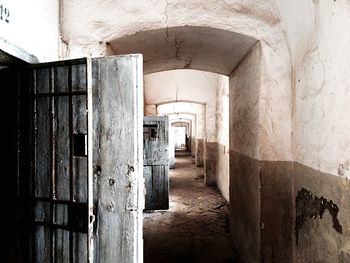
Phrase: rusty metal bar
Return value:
(55, 201)
(61, 94)
(71, 179)
(89, 176)
(52, 226)
(52, 163)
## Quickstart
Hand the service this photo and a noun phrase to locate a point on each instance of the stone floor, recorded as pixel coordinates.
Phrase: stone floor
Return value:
(195, 228)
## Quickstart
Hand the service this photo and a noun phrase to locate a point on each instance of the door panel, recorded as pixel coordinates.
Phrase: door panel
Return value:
(80, 160)
(156, 162)
(117, 156)
(60, 178)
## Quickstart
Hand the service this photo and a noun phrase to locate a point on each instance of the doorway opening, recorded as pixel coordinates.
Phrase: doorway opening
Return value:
(181, 138)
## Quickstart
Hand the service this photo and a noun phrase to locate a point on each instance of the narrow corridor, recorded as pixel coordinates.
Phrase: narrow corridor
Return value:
(195, 228)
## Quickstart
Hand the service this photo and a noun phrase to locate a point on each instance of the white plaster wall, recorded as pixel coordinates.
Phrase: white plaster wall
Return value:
(185, 85)
(150, 110)
(222, 110)
(33, 26)
(245, 88)
(318, 36)
(222, 136)
(181, 84)
(171, 146)
(109, 19)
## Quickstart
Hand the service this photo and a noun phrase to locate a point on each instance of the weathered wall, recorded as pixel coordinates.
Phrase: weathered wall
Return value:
(276, 211)
(322, 231)
(150, 110)
(321, 63)
(258, 187)
(171, 147)
(210, 151)
(321, 60)
(32, 26)
(320, 139)
(245, 86)
(222, 137)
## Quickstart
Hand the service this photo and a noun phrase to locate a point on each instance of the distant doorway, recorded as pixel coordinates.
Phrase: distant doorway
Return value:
(180, 138)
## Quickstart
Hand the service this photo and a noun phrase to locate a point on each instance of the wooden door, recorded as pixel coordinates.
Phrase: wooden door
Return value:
(156, 162)
(117, 106)
(60, 179)
(84, 154)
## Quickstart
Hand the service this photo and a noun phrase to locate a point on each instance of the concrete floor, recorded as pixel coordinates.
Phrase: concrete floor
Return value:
(195, 228)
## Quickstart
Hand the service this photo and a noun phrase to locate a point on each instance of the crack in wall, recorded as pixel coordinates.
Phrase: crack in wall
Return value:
(64, 41)
(188, 60)
(317, 48)
(309, 206)
(177, 48)
(166, 21)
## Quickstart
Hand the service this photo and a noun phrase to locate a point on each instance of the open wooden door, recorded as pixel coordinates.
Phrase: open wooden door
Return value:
(156, 162)
(83, 149)
(117, 106)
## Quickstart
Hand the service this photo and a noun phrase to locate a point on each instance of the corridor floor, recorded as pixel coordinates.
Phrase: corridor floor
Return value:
(195, 228)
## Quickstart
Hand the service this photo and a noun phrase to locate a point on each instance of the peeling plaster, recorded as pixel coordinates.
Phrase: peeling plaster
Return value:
(309, 207)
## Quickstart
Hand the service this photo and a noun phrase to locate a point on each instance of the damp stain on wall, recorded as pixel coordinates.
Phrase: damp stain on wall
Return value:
(310, 207)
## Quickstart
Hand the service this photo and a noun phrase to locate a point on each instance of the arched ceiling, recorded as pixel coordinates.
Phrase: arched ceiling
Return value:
(187, 117)
(181, 122)
(186, 47)
(177, 107)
